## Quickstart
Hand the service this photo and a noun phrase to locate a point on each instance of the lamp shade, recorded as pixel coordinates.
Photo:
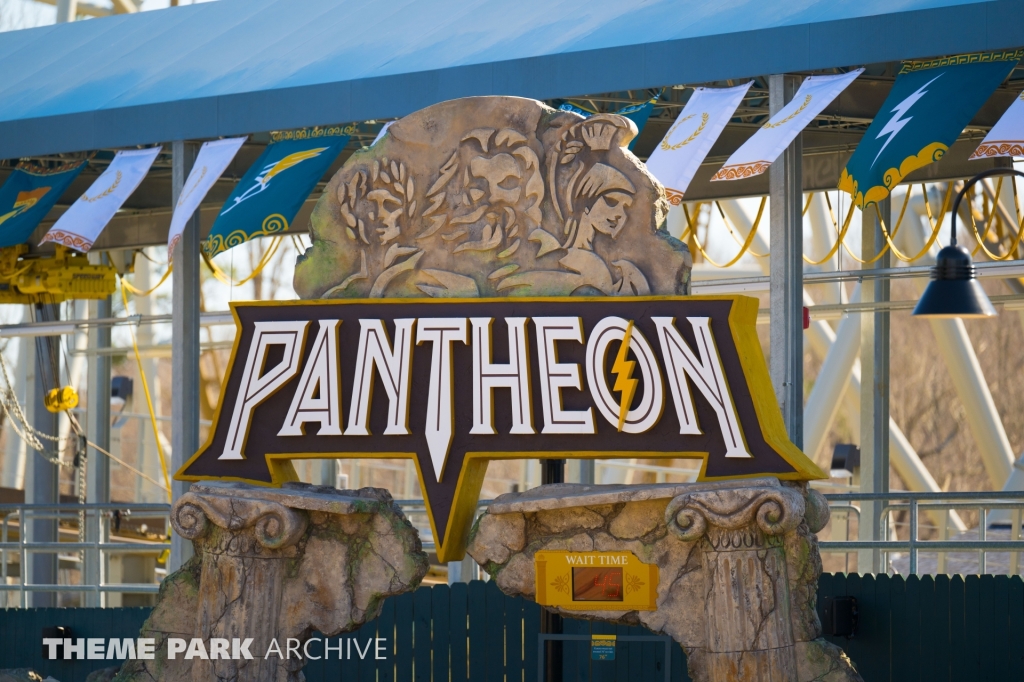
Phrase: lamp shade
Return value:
(953, 290)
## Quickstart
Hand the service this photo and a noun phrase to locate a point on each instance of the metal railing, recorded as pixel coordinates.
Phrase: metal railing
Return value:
(933, 504)
(91, 555)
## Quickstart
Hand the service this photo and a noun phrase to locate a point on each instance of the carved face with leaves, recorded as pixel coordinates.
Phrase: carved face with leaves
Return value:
(488, 193)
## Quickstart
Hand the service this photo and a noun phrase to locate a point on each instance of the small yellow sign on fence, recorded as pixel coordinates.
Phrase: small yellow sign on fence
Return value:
(602, 647)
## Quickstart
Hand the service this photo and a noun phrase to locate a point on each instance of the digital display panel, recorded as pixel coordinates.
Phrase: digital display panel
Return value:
(596, 584)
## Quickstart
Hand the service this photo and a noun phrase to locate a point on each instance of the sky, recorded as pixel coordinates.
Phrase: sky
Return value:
(16, 14)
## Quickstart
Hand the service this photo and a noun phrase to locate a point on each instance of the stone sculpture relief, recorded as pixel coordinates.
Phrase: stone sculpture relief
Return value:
(494, 196)
(276, 563)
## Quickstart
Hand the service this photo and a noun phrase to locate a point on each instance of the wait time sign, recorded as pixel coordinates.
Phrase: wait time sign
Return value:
(453, 384)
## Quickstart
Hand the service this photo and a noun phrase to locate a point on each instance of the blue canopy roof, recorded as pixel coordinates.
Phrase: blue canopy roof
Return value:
(239, 66)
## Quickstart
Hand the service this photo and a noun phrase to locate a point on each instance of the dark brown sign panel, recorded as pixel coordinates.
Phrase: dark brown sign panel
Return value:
(453, 384)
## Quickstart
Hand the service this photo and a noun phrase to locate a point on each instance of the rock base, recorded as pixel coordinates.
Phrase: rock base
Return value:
(738, 567)
(276, 564)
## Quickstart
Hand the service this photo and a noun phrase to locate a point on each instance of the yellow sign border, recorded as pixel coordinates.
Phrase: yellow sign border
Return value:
(742, 325)
(644, 599)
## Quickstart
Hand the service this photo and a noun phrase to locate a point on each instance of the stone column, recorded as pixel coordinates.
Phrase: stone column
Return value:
(276, 564)
(746, 607)
(737, 561)
(242, 573)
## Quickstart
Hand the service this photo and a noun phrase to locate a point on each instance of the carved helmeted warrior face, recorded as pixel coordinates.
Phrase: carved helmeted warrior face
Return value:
(600, 202)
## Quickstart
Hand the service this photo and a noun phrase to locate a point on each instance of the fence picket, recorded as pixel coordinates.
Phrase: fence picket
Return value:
(1000, 669)
(421, 641)
(366, 651)
(531, 628)
(904, 630)
(633, 655)
(457, 640)
(986, 623)
(386, 629)
(441, 629)
(495, 629)
(883, 624)
(513, 639)
(852, 585)
(926, 670)
(576, 657)
(972, 624)
(1015, 629)
(477, 632)
(403, 637)
(959, 669)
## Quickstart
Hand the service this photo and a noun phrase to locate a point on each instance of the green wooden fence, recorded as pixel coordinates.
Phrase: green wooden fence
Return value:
(928, 629)
(934, 628)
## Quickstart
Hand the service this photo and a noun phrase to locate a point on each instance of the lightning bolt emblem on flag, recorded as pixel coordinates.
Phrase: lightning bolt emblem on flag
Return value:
(623, 371)
(896, 123)
(271, 171)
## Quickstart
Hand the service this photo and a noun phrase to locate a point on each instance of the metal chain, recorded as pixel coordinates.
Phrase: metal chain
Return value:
(32, 437)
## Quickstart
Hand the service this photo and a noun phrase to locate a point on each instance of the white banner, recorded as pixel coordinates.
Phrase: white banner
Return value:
(81, 224)
(764, 146)
(383, 130)
(210, 164)
(1007, 136)
(675, 161)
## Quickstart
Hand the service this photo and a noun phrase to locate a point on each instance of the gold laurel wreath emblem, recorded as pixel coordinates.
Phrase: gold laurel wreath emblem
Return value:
(672, 147)
(807, 100)
(117, 181)
(186, 195)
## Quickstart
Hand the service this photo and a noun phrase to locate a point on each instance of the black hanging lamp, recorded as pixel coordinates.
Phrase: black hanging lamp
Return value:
(954, 291)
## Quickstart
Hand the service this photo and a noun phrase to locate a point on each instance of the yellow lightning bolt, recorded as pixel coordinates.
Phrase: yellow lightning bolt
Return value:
(623, 371)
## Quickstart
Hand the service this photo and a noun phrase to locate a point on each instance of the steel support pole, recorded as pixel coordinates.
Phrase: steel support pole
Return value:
(833, 378)
(67, 10)
(97, 488)
(587, 471)
(874, 392)
(552, 471)
(329, 472)
(44, 486)
(184, 343)
(786, 288)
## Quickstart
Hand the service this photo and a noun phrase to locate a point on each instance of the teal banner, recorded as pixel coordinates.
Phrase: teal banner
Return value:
(269, 196)
(28, 195)
(637, 113)
(928, 107)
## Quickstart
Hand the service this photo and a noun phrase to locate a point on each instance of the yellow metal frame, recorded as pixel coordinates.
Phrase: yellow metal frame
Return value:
(554, 586)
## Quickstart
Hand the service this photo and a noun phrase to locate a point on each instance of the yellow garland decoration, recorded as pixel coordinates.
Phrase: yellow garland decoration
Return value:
(934, 222)
(264, 261)
(138, 293)
(733, 231)
(746, 244)
(149, 399)
(935, 227)
(1012, 249)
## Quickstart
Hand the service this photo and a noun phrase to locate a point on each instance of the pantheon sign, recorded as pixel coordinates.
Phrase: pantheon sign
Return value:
(455, 383)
